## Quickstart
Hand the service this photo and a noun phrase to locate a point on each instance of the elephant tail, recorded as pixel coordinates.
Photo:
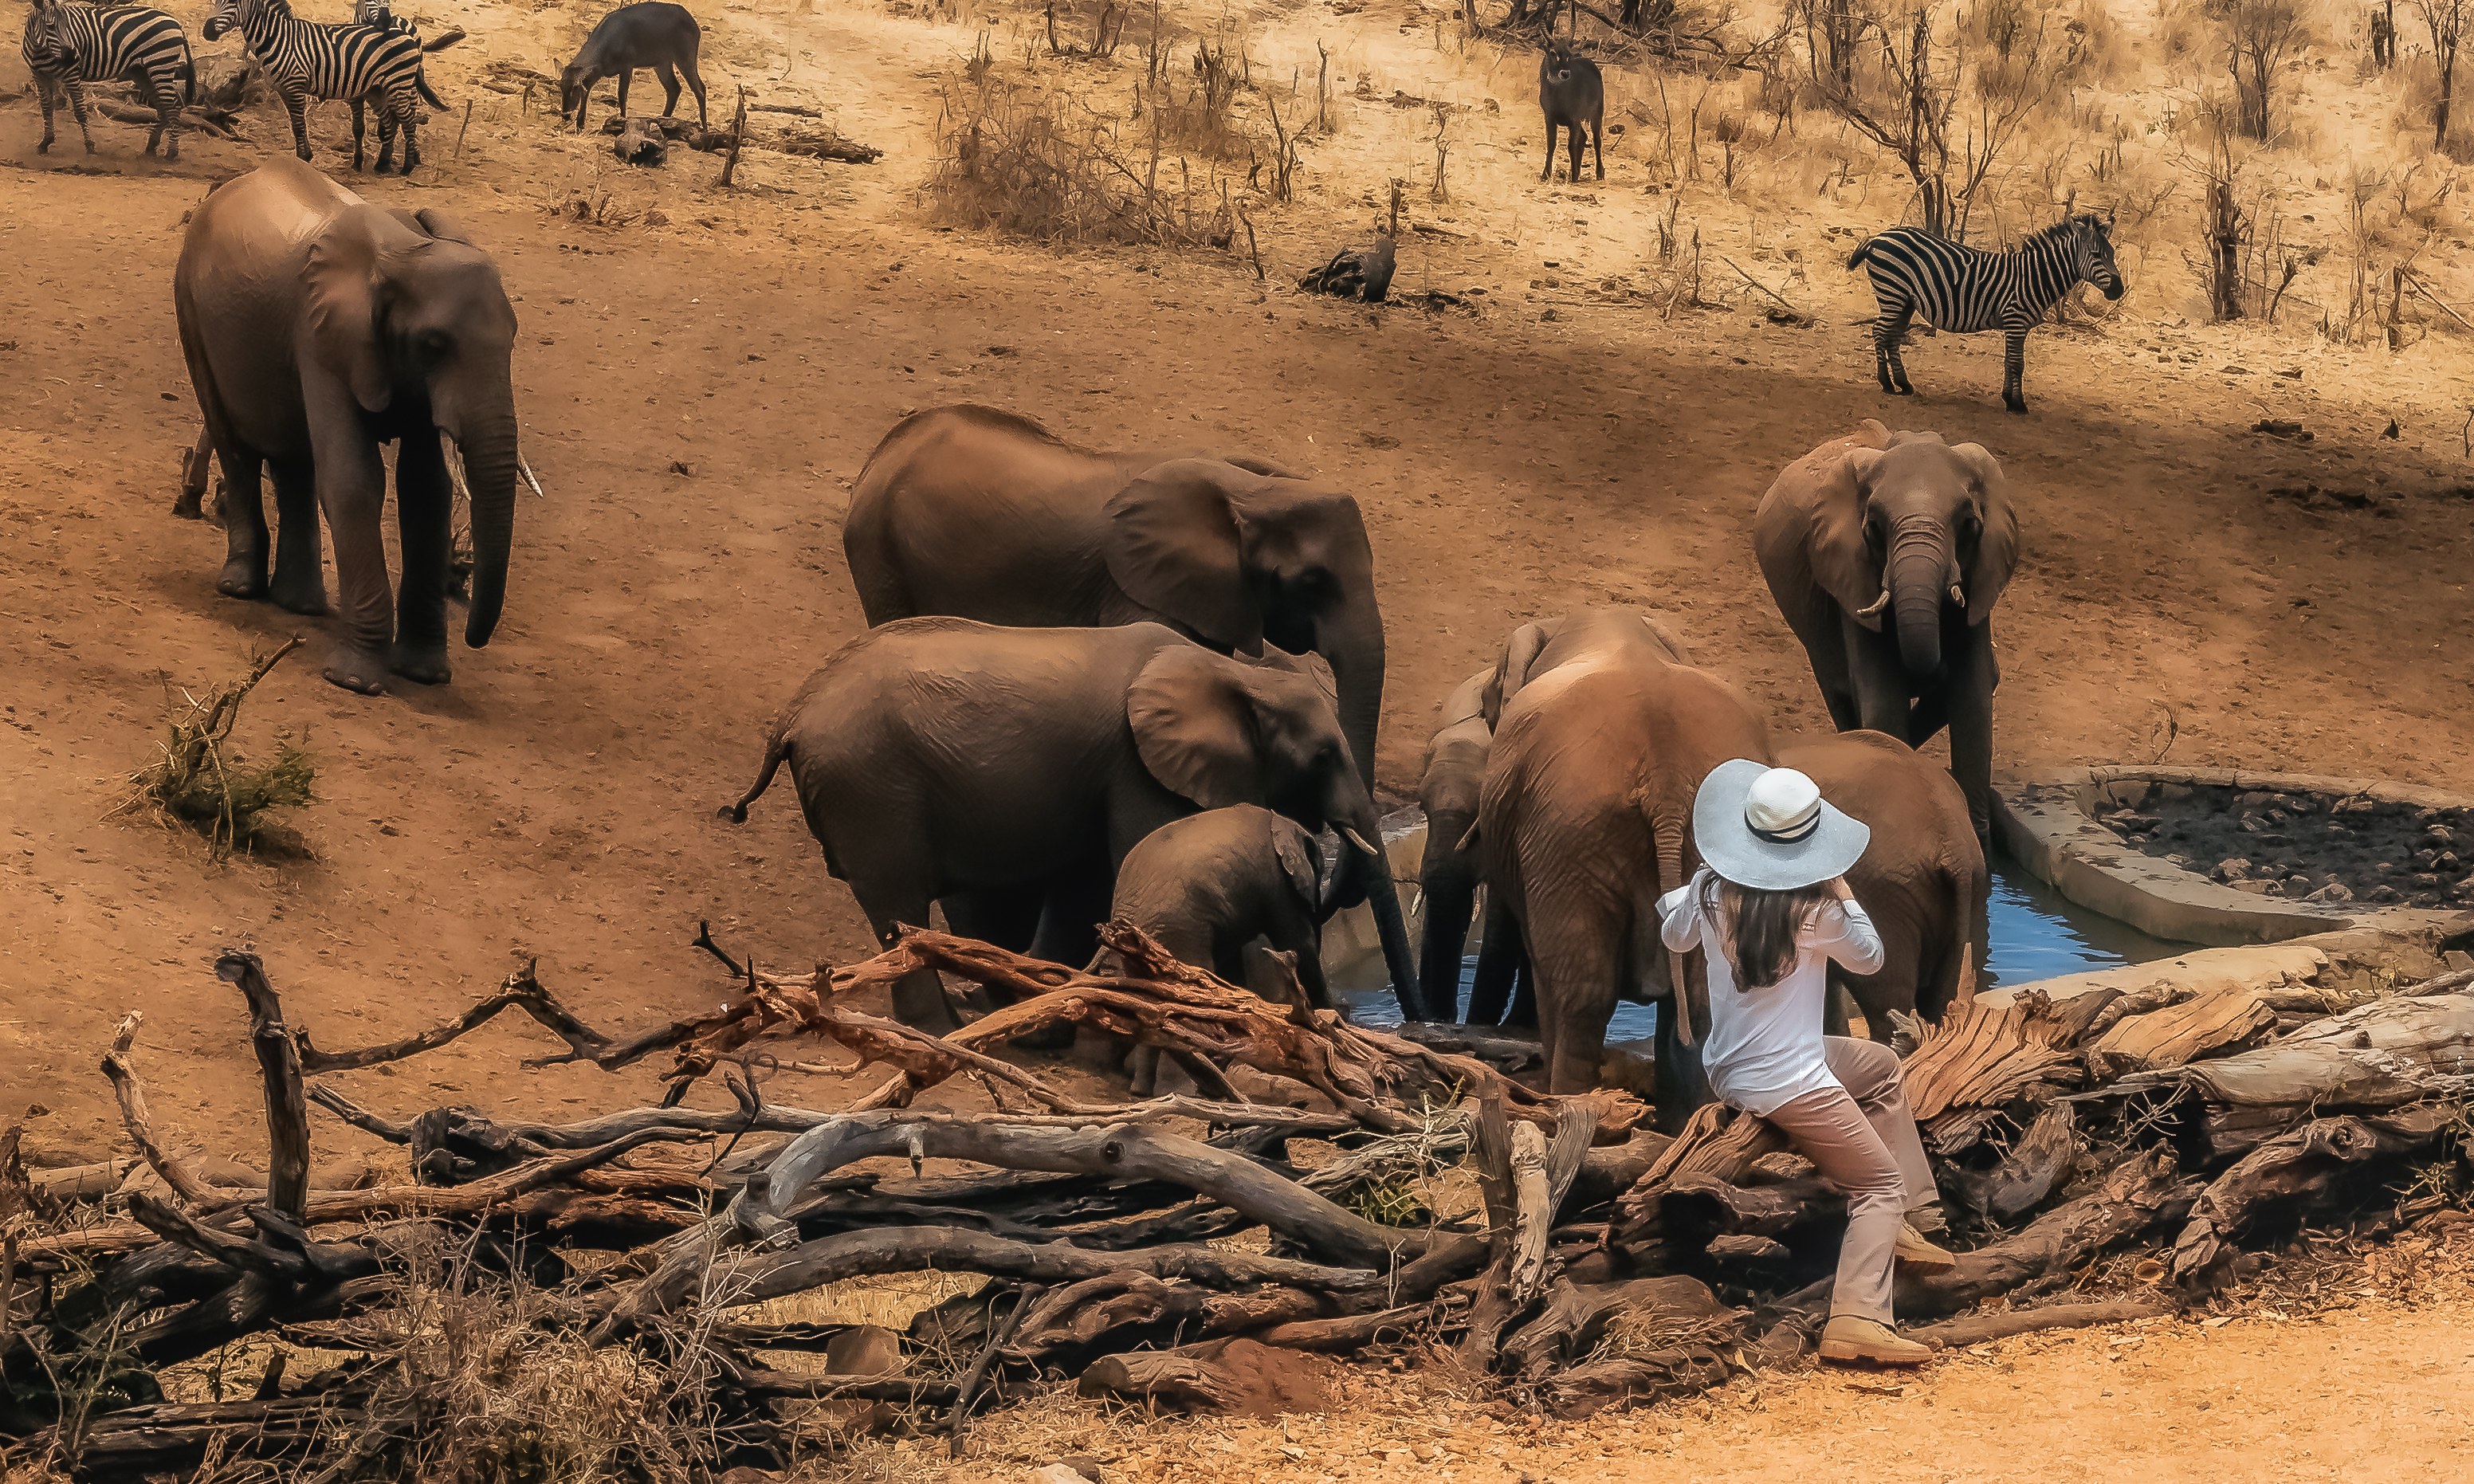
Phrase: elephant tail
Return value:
(777, 747)
(1667, 837)
(1863, 250)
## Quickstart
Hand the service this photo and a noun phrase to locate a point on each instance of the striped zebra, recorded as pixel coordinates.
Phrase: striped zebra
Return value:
(305, 59)
(68, 47)
(1963, 290)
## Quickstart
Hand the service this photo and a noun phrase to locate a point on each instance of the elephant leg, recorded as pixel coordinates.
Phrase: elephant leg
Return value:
(1523, 1014)
(1292, 930)
(1683, 1085)
(1498, 962)
(1837, 1007)
(918, 996)
(1969, 698)
(1068, 922)
(1576, 955)
(244, 574)
(352, 490)
(299, 549)
(425, 502)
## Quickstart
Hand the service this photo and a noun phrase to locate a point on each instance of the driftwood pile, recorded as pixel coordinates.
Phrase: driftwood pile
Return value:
(1321, 1187)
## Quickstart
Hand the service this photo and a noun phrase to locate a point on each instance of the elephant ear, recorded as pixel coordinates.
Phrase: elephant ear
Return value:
(438, 223)
(1299, 860)
(1194, 726)
(1512, 670)
(1997, 548)
(344, 294)
(1842, 563)
(1174, 545)
(1314, 667)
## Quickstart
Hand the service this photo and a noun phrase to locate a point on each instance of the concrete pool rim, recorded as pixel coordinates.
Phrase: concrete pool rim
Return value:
(2045, 822)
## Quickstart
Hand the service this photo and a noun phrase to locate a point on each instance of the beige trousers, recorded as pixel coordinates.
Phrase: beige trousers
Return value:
(1862, 1139)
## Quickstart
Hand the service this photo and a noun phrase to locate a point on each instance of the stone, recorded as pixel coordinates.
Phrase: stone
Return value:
(2259, 888)
(2334, 891)
(1060, 1474)
(2232, 868)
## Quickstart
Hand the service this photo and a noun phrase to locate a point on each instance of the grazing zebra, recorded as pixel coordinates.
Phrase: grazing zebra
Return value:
(68, 47)
(1964, 290)
(308, 59)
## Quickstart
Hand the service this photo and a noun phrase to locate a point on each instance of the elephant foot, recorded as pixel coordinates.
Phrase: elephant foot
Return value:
(241, 579)
(305, 599)
(360, 670)
(421, 664)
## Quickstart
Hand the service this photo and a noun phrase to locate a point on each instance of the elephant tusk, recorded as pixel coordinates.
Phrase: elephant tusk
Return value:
(1876, 608)
(1356, 839)
(526, 470)
(1958, 594)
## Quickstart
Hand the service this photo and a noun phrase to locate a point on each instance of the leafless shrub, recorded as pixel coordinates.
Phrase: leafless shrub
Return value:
(202, 780)
(2445, 21)
(2261, 38)
(1200, 113)
(1029, 159)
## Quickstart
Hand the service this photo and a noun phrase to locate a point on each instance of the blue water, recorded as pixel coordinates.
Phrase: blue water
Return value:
(2035, 932)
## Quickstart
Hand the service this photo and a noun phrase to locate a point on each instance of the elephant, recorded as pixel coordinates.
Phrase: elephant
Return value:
(1210, 886)
(982, 513)
(317, 328)
(1448, 875)
(1584, 819)
(1923, 877)
(1878, 525)
(1007, 774)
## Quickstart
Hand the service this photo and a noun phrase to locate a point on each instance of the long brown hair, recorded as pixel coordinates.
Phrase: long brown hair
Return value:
(1761, 928)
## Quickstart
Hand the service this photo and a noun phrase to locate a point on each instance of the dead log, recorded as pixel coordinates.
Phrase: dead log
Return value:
(2034, 1168)
(1348, 1333)
(1237, 1376)
(823, 142)
(279, 1061)
(1718, 1141)
(2384, 1053)
(2181, 1033)
(1168, 1381)
(1991, 1055)
(1677, 1370)
(1576, 1317)
(2296, 1169)
(1695, 1209)
(134, 1117)
(2136, 1194)
(1978, 1328)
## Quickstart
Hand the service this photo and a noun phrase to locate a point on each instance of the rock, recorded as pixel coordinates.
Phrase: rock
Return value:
(1060, 1474)
(2232, 868)
(2259, 888)
(2334, 891)
(2251, 824)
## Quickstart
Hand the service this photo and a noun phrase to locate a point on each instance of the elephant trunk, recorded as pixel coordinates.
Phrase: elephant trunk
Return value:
(1350, 640)
(1350, 810)
(1915, 575)
(490, 468)
(1448, 883)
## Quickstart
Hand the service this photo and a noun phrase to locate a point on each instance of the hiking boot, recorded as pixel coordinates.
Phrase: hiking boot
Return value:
(1916, 1253)
(1848, 1339)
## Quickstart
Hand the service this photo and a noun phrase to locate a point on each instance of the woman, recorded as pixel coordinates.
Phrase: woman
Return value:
(1769, 911)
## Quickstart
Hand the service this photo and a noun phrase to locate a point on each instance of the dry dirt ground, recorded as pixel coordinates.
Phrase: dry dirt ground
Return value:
(701, 373)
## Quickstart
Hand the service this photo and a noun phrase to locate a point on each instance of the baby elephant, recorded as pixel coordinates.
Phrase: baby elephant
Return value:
(1571, 93)
(654, 35)
(1210, 886)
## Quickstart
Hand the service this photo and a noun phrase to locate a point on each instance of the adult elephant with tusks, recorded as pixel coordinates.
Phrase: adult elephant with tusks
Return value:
(317, 329)
(983, 514)
(1886, 553)
(1004, 773)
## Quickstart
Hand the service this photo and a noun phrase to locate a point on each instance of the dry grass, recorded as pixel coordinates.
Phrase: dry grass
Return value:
(203, 782)
(1029, 158)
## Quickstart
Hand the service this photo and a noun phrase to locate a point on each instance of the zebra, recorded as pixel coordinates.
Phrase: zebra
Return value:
(68, 47)
(1963, 289)
(305, 59)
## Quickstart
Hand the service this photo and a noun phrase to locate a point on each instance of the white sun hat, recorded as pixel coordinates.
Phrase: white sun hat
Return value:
(1770, 829)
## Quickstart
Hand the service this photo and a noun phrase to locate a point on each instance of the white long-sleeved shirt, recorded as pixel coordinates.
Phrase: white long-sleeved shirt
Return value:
(1764, 1045)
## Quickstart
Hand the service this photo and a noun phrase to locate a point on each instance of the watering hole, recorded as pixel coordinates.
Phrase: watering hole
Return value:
(2036, 932)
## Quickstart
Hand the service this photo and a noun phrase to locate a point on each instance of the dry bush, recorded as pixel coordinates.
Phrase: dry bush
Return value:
(1029, 160)
(203, 782)
(2260, 42)
(1199, 113)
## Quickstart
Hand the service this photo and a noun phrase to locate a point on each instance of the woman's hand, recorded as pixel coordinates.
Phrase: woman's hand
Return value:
(1839, 889)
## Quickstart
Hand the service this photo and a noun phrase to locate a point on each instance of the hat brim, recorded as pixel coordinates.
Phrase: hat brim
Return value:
(1729, 847)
